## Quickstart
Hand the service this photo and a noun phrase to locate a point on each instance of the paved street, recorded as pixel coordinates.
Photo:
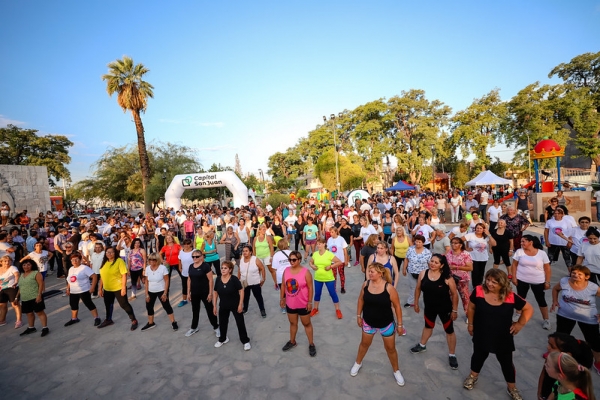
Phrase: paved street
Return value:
(82, 362)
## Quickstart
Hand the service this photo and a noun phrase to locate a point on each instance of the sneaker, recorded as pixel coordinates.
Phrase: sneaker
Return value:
(217, 332)
(18, 324)
(597, 367)
(283, 310)
(94, 296)
(399, 378)
(356, 263)
(148, 326)
(191, 332)
(247, 346)
(453, 362)
(64, 295)
(2, 323)
(418, 349)
(546, 324)
(338, 313)
(263, 314)
(408, 305)
(514, 393)
(105, 323)
(219, 344)
(134, 325)
(139, 286)
(72, 322)
(470, 382)
(288, 346)
(355, 368)
(516, 317)
(50, 272)
(245, 311)
(45, 332)
(509, 277)
(314, 312)
(132, 297)
(174, 325)
(343, 291)
(28, 331)
(97, 321)
(312, 350)
(182, 303)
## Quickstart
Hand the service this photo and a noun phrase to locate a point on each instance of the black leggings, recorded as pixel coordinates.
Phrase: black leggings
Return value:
(553, 254)
(297, 240)
(239, 321)
(217, 265)
(195, 299)
(165, 304)
(86, 297)
(536, 288)
(478, 272)
(176, 268)
(504, 358)
(591, 333)
(109, 301)
(257, 292)
(135, 275)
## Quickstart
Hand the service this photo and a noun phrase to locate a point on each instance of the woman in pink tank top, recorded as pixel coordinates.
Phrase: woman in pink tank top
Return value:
(296, 296)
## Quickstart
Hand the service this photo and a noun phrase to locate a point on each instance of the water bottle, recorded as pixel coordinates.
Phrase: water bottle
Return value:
(542, 240)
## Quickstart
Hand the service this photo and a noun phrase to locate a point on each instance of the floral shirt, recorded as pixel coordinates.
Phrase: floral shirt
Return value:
(515, 224)
(459, 260)
(417, 262)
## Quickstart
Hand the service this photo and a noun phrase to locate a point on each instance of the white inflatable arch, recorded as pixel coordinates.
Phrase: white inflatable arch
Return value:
(229, 179)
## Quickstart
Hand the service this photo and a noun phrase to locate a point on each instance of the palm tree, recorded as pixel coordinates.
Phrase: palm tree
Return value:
(125, 79)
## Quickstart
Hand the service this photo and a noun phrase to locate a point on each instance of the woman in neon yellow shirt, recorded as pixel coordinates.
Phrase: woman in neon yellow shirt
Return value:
(114, 285)
(323, 262)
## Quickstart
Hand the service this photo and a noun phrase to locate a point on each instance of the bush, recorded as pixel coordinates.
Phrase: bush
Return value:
(302, 194)
(275, 199)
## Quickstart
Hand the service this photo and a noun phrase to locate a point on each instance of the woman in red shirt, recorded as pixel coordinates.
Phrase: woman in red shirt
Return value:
(170, 252)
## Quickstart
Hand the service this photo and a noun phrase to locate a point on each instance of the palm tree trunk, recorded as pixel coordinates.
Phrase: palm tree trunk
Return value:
(144, 160)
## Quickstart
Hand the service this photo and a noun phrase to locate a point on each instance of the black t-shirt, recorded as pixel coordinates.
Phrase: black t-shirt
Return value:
(229, 293)
(198, 279)
(346, 233)
(550, 211)
(502, 241)
(367, 252)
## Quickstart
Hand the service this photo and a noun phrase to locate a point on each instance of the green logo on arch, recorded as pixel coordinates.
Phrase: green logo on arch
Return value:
(187, 181)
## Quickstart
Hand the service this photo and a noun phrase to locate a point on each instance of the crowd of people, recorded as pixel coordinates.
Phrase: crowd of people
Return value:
(394, 237)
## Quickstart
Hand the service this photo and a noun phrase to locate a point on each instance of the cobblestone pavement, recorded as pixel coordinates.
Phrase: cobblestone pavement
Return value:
(82, 362)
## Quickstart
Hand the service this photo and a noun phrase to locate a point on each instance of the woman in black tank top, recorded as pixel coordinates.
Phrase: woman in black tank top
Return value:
(374, 314)
(440, 298)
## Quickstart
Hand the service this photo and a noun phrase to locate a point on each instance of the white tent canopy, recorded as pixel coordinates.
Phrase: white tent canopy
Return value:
(488, 178)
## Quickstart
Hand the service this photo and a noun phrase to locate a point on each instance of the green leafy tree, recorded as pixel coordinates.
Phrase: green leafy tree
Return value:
(251, 181)
(417, 131)
(126, 79)
(351, 175)
(533, 112)
(285, 168)
(20, 146)
(477, 128)
(582, 71)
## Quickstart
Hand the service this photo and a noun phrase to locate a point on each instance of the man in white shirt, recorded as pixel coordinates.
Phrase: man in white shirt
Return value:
(365, 206)
(483, 203)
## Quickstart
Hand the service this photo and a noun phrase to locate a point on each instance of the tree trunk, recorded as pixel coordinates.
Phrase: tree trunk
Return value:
(144, 160)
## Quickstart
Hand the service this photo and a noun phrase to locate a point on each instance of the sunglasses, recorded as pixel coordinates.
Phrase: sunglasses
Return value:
(293, 259)
(197, 256)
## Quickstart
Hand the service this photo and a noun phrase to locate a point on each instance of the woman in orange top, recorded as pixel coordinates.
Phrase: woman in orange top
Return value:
(170, 252)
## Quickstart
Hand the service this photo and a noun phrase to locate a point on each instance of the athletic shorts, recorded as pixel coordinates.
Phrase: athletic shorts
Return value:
(300, 311)
(30, 306)
(8, 294)
(266, 261)
(385, 332)
(310, 242)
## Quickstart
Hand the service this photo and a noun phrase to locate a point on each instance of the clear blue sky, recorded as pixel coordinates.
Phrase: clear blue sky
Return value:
(253, 77)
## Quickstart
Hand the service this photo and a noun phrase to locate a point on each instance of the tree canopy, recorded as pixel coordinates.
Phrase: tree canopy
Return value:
(20, 146)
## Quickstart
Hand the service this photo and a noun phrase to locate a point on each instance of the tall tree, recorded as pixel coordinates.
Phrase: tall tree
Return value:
(20, 146)
(417, 131)
(126, 79)
(238, 166)
(351, 174)
(284, 168)
(477, 127)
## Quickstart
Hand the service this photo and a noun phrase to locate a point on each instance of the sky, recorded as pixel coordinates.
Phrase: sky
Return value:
(251, 78)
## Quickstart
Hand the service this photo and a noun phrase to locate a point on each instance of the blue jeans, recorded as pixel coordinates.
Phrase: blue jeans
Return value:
(330, 288)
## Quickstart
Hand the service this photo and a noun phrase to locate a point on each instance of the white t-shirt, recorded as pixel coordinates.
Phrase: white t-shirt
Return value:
(41, 259)
(290, 220)
(351, 215)
(7, 279)
(531, 268)
(495, 213)
(79, 279)
(591, 256)
(96, 261)
(483, 200)
(280, 263)
(554, 227)
(578, 237)
(186, 260)
(365, 232)
(458, 233)
(337, 246)
(156, 279)
(424, 230)
(365, 207)
(480, 247)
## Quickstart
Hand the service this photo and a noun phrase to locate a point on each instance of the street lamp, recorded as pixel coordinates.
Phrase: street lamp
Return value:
(337, 171)
(165, 178)
(433, 167)
(528, 155)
